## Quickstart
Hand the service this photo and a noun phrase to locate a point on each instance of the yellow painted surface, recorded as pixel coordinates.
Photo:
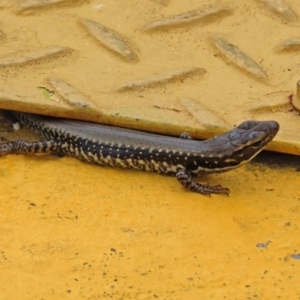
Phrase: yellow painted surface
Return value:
(71, 230)
(74, 230)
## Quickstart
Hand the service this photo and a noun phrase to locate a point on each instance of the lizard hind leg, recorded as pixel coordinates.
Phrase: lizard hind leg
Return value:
(25, 147)
(185, 178)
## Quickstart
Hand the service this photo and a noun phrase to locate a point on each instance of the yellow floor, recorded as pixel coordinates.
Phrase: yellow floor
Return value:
(71, 229)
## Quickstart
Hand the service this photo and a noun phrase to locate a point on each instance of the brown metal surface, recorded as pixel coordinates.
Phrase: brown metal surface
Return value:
(247, 52)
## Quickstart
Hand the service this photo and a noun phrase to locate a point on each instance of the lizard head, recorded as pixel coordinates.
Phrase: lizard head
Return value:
(235, 147)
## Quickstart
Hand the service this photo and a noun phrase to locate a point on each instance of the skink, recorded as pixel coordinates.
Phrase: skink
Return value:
(182, 157)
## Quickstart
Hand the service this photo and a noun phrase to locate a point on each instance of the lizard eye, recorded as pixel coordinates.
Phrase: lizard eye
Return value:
(256, 144)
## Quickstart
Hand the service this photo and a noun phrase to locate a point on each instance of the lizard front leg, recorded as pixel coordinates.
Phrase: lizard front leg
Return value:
(185, 178)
